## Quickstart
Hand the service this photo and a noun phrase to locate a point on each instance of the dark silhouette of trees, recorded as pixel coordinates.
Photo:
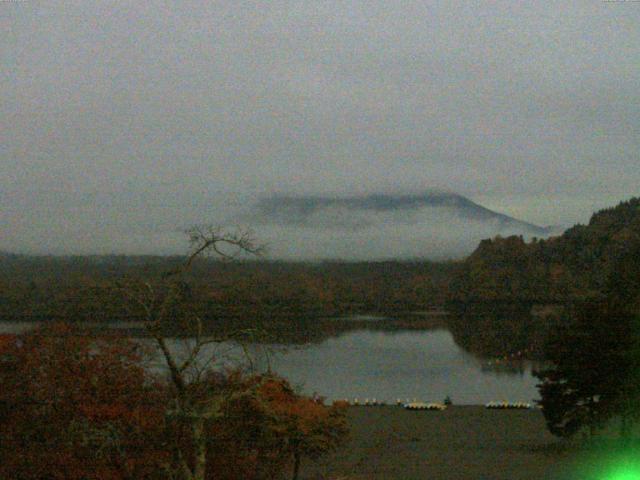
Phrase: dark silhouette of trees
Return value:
(570, 268)
(594, 372)
(587, 264)
(595, 356)
(244, 292)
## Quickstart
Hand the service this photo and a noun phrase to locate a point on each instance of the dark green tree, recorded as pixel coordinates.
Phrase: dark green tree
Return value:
(595, 370)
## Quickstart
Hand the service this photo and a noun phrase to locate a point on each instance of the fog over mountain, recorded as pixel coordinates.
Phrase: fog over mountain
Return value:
(122, 123)
(433, 225)
(349, 211)
(430, 224)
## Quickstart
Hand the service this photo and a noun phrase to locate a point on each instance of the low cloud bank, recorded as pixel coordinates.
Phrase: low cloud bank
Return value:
(432, 225)
(433, 233)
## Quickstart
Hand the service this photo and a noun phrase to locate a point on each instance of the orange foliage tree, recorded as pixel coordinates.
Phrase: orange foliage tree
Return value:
(261, 435)
(305, 425)
(76, 406)
(80, 406)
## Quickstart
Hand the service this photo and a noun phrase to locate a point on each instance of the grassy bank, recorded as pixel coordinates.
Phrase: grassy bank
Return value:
(462, 442)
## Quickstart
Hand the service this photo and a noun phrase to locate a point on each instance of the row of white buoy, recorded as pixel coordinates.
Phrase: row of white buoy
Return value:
(366, 402)
(417, 405)
(409, 404)
(507, 405)
(424, 406)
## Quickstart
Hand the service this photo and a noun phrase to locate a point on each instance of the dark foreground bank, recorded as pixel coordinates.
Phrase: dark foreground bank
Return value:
(464, 442)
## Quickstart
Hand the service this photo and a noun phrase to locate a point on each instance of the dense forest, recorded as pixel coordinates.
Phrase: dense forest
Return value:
(228, 295)
(509, 295)
(574, 266)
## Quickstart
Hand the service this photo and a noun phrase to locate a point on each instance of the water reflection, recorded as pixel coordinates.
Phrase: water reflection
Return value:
(426, 365)
(381, 364)
(404, 364)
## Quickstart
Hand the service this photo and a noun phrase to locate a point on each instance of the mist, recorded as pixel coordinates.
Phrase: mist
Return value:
(430, 226)
(122, 124)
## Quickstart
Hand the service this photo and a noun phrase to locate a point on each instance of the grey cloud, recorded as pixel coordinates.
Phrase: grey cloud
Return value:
(133, 119)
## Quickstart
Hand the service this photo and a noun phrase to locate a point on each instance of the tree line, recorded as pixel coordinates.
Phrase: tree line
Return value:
(75, 404)
(593, 373)
(43, 288)
(588, 281)
(509, 294)
(572, 267)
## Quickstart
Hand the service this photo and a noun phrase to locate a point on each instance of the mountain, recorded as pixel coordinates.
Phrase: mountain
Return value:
(432, 224)
(307, 210)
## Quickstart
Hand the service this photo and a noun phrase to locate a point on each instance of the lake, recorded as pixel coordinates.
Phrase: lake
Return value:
(423, 364)
(427, 365)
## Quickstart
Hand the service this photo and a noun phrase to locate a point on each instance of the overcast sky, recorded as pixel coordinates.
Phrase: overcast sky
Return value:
(122, 121)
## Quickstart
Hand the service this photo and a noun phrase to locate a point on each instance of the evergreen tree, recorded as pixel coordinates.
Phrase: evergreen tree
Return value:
(595, 358)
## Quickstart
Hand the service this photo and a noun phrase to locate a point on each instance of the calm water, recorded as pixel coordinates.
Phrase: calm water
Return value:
(426, 365)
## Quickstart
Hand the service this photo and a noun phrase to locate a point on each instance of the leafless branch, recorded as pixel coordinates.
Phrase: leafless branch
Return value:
(159, 301)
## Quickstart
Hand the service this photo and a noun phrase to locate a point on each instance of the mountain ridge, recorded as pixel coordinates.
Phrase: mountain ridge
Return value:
(299, 209)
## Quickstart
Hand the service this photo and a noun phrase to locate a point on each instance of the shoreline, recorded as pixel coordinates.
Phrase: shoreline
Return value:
(465, 442)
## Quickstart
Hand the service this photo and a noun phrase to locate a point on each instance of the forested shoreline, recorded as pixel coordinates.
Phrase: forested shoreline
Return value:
(504, 299)
(572, 301)
(572, 267)
(85, 289)
(511, 295)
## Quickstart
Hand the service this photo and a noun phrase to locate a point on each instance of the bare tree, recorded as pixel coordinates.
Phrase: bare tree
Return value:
(164, 303)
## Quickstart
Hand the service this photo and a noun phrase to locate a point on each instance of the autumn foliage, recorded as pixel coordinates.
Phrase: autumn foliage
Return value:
(74, 405)
(266, 434)
(307, 427)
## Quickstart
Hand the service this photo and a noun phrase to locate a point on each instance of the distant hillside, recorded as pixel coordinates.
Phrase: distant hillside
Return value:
(303, 210)
(584, 261)
(432, 225)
